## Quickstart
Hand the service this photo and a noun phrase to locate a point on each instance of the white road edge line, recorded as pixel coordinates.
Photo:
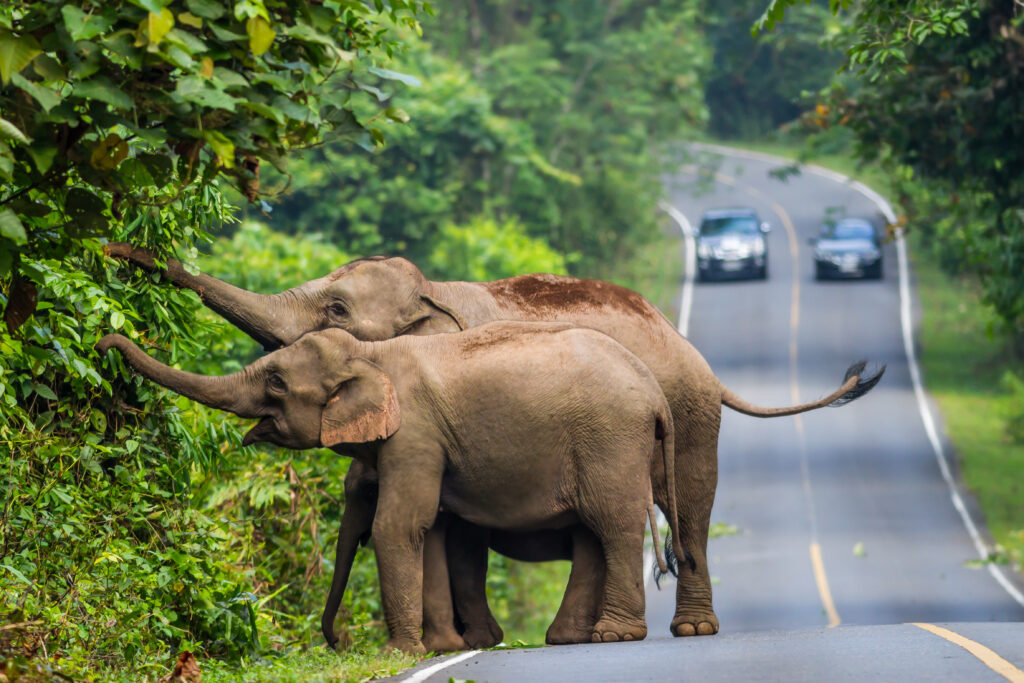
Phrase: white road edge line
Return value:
(906, 323)
(690, 267)
(424, 674)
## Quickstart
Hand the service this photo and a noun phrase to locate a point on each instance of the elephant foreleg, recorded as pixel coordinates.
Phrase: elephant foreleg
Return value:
(467, 549)
(439, 634)
(581, 604)
(356, 525)
(410, 490)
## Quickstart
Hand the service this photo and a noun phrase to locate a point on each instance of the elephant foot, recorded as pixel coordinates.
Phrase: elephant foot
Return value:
(567, 635)
(703, 623)
(444, 642)
(408, 645)
(482, 637)
(609, 631)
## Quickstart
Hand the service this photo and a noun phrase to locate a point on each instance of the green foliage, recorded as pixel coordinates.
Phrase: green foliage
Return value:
(524, 597)
(602, 87)
(448, 164)
(933, 93)
(118, 107)
(486, 250)
(555, 119)
(758, 84)
(121, 536)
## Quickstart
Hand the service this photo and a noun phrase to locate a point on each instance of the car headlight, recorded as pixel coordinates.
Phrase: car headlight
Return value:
(757, 248)
(872, 256)
(704, 251)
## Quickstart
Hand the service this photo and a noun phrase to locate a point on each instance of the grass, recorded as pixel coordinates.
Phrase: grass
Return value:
(315, 666)
(974, 377)
(967, 371)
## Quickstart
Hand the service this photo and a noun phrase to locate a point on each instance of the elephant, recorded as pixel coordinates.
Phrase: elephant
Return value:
(510, 425)
(382, 297)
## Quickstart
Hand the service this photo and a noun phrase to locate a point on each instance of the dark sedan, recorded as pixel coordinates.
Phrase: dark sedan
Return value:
(848, 248)
(731, 242)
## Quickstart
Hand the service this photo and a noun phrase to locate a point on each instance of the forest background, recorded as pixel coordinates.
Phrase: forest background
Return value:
(481, 138)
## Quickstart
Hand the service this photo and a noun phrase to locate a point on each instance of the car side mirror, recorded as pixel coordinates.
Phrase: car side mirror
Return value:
(765, 228)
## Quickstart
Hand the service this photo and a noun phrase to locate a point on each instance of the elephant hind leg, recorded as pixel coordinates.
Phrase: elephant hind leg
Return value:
(619, 522)
(581, 604)
(696, 479)
(467, 560)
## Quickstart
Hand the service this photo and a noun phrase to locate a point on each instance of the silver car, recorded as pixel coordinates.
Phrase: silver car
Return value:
(731, 243)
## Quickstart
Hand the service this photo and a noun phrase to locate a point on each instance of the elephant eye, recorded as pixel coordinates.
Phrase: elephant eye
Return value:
(276, 383)
(337, 309)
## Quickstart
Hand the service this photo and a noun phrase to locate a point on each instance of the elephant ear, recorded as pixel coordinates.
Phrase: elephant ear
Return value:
(363, 409)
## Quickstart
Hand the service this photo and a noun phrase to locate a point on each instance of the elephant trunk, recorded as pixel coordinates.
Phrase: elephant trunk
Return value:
(227, 392)
(267, 318)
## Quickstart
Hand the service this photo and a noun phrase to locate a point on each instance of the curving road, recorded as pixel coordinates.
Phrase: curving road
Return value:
(843, 518)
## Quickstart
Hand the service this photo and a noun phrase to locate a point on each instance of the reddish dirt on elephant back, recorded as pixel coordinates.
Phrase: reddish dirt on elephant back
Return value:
(546, 293)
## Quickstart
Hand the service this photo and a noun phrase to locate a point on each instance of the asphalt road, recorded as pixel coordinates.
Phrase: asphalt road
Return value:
(845, 527)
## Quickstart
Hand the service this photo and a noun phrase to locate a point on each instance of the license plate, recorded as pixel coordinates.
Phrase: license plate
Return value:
(732, 265)
(850, 265)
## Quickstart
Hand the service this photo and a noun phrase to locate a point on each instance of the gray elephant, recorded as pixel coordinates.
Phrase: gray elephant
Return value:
(512, 426)
(379, 298)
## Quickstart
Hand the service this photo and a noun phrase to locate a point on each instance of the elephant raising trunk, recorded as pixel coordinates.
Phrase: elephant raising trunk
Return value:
(224, 392)
(261, 316)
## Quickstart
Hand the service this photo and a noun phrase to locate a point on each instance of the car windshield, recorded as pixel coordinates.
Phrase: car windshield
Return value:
(729, 225)
(848, 231)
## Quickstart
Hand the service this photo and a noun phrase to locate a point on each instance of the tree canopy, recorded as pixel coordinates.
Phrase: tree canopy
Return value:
(936, 96)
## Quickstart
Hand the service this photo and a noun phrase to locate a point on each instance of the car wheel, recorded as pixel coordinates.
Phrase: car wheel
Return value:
(819, 272)
(876, 271)
(763, 274)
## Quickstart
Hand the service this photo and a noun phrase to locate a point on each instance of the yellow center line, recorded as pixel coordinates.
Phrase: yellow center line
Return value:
(823, 590)
(817, 564)
(987, 656)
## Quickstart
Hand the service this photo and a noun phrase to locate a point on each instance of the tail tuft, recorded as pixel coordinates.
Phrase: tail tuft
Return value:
(863, 386)
(672, 561)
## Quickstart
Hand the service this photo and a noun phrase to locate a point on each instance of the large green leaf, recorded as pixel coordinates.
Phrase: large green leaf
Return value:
(82, 26)
(390, 75)
(42, 153)
(222, 147)
(103, 89)
(200, 91)
(159, 166)
(9, 131)
(11, 227)
(261, 35)
(208, 9)
(47, 98)
(15, 53)
(48, 68)
(6, 162)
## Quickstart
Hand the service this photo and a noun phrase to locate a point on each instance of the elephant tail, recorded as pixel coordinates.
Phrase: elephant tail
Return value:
(855, 384)
(662, 561)
(673, 546)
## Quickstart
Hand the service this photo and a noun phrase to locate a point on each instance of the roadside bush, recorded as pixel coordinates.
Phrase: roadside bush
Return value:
(485, 249)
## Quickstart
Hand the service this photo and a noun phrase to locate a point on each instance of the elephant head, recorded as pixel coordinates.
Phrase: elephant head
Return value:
(317, 392)
(373, 299)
